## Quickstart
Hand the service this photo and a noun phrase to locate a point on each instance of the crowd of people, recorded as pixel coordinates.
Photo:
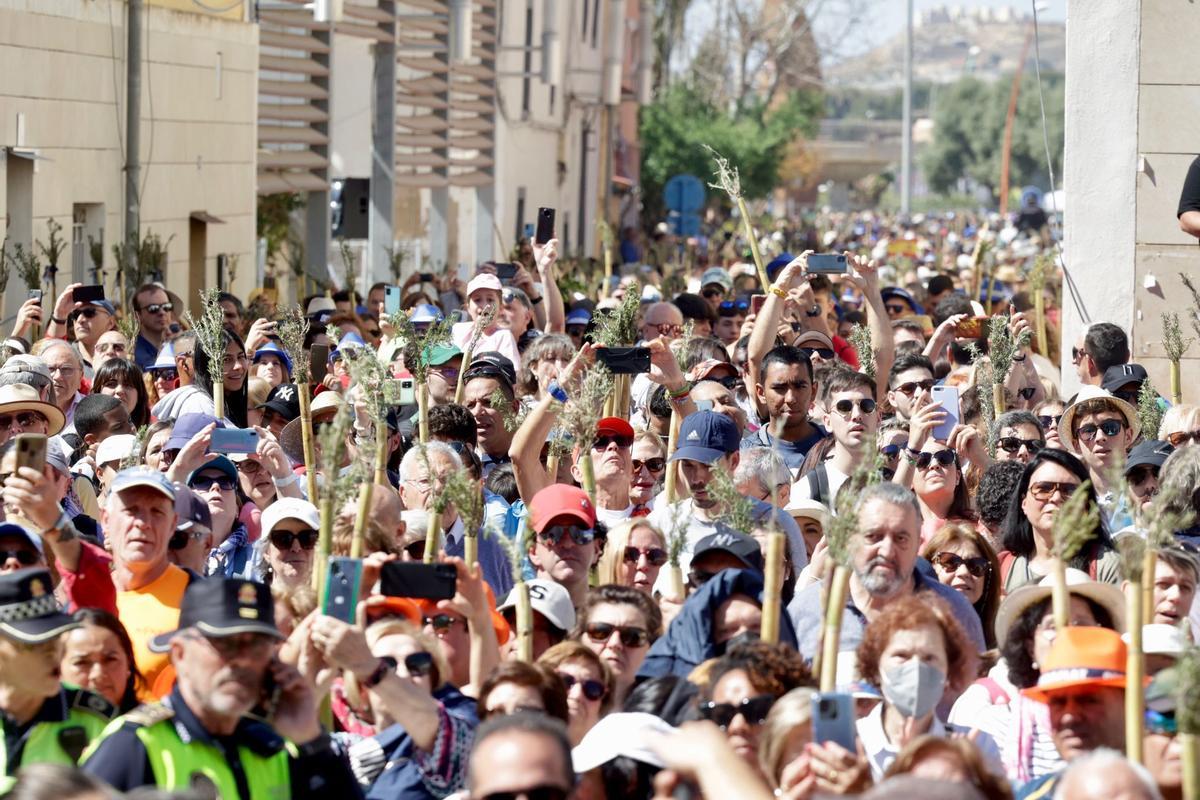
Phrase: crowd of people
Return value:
(162, 634)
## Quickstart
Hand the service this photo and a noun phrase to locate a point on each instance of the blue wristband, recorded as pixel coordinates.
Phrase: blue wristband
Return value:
(557, 392)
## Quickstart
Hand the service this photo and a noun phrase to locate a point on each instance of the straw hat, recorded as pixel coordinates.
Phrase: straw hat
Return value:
(18, 397)
(291, 438)
(1067, 424)
(1078, 583)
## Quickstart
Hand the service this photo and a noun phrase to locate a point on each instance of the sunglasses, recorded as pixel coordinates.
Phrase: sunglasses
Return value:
(1011, 444)
(820, 352)
(845, 407)
(699, 577)
(731, 308)
(203, 483)
(815, 311)
(942, 457)
(655, 555)
(651, 464)
(1161, 722)
(630, 636)
(891, 452)
(753, 710)
(977, 566)
(891, 309)
(602, 442)
(418, 664)
(1027, 393)
(1044, 490)
(592, 689)
(1048, 422)
(1110, 428)
(165, 375)
(709, 294)
(1180, 438)
(442, 622)
(1076, 354)
(26, 558)
(282, 540)
(180, 539)
(543, 792)
(155, 308)
(909, 388)
(24, 419)
(415, 550)
(449, 373)
(555, 533)
(667, 329)
(87, 313)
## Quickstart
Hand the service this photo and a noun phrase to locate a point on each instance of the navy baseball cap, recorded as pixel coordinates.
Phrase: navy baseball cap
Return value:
(580, 316)
(777, 263)
(902, 294)
(187, 426)
(726, 540)
(1149, 452)
(1119, 376)
(220, 463)
(284, 400)
(492, 364)
(705, 437)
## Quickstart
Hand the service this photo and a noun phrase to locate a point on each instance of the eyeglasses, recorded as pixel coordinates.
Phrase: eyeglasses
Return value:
(555, 533)
(731, 308)
(666, 329)
(1011, 444)
(419, 664)
(24, 419)
(815, 311)
(202, 483)
(602, 442)
(909, 388)
(753, 710)
(26, 558)
(592, 689)
(631, 636)
(820, 352)
(891, 452)
(543, 792)
(1110, 428)
(64, 369)
(651, 464)
(155, 308)
(1162, 722)
(943, 457)
(282, 540)
(1048, 422)
(249, 466)
(978, 565)
(1176, 439)
(1044, 490)
(846, 406)
(448, 373)
(1077, 354)
(895, 309)
(655, 555)
(442, 622)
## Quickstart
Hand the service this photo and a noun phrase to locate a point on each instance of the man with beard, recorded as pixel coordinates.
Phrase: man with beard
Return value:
(883, 562)
(202, 736)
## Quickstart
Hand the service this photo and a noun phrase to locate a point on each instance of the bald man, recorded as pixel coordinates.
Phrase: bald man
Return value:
(662, 319)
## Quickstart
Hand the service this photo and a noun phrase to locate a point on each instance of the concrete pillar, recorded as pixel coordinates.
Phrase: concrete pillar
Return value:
(383, 154)
(485, 229)
(439, 227)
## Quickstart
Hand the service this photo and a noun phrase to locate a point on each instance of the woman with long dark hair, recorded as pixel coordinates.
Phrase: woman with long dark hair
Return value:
(124, 380)
(1027, 534)
(198, 397)
(99, 657)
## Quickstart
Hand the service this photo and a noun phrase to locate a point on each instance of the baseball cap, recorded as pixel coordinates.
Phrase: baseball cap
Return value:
(707, 367)
(23, 363)
(718, 276)
(629, 734)
(289, 508)
(284, 400)
(424, 314)
(492, 364)
(191, 510)
(484, 281)
(706, 436)
(778, 263)
(221, 463)
(1150, 452)
(21, 532)
(561, 500)
(439, 354)
(1081, 657)
(902, 294)
(813, 340)
(115, 448)
(135, 477)
(547, 598)
(614, 426)
(219, 607)
(726, 540)
(1119, 375)
(29, 611)
(105, 305)
(580, 316)
(272, 349)
(186, 427)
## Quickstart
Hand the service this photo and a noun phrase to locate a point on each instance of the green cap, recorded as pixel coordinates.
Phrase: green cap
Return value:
(439, 354)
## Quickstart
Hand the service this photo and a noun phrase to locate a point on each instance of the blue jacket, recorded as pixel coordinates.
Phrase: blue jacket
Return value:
(401, 780)
(689, 640)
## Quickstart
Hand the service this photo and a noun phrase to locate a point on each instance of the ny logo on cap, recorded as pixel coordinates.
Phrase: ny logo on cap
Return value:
(286, 393)
(724, 540)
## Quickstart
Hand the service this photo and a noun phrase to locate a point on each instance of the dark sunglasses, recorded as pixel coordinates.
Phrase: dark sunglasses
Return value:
(165, 375)
(943, 457)
(753, 710)
(1047, 422)
(699, 577)
(977, 565)
(891, 452)
(652, 464)
(730, 382)
(416, 550)
(282, 540)
(815, 311)
(24, 419)
(442, 622)
(1011, 444)
(205, 482)
(655, 555)
(1076, 354)
(543, 792)
(1110, 428)
(910, 387)
(630, 636)
(554, 534)
(709, 294)
(845, 406)
(592, 689)
(449, 373)
(87, 313)
(602, 442)
(822, 352)
(1044, 490)
(155, 308)
(26, 558)
(1161, 722)
(180, 539)
(418, 664)
(895, 309)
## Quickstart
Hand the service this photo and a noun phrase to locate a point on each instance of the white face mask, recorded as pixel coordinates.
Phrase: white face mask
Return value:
(914, 688)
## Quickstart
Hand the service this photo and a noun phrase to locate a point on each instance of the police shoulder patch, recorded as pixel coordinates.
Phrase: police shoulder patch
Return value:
(150, 714)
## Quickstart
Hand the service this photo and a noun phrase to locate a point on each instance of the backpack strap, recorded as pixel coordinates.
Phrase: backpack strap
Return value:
(818, 484)
(1007, 557)
(996, 694)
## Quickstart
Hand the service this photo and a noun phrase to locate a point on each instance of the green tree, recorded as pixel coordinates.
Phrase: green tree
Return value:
(753, 138)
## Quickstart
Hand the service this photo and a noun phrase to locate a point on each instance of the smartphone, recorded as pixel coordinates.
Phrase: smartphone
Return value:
(625, 360)
(237, 441)
(342, 581)
(756, 303)
(319, 360)
(528, 230)
(87, 294)
(401, 391)
(34, 294)
(426, 277)
(833, 719)
(414, 579)
(506, 271)
(948, 397)
(31, 450)
(970, 328)
(827, 264)
(545, 225)
(391, 299)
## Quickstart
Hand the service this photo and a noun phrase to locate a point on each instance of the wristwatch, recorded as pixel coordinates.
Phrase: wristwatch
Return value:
(61, 526)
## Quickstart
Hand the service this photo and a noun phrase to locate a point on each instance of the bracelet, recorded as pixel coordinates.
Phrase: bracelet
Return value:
(535, 301)
(680, 394)
(910, 455)
(288, 481)
(57, 321)
(557, 392)
(775, 290)
(1019, 360)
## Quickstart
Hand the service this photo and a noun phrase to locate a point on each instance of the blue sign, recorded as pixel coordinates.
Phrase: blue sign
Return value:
(684, 193)
(684, 224)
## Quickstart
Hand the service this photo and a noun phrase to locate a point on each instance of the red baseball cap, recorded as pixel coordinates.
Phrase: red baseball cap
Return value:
(614, 426)
(561, 500)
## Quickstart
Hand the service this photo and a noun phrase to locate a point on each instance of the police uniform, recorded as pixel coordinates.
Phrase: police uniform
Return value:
(165, 745)
(68, 719)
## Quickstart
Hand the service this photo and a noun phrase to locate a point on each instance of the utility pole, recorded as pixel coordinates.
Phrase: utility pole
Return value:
(133, 118)
(906, 140)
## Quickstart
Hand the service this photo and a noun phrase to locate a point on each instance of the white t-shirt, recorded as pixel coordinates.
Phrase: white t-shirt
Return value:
(613, 517)
(500, 340)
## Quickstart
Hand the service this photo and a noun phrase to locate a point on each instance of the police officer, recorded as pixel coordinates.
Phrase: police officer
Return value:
(202, 736)
(43, 720)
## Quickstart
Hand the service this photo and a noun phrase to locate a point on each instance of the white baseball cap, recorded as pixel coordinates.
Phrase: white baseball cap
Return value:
(549, 599)
(622, 734)
(115, 448)
(484, 281)
(290, 508)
